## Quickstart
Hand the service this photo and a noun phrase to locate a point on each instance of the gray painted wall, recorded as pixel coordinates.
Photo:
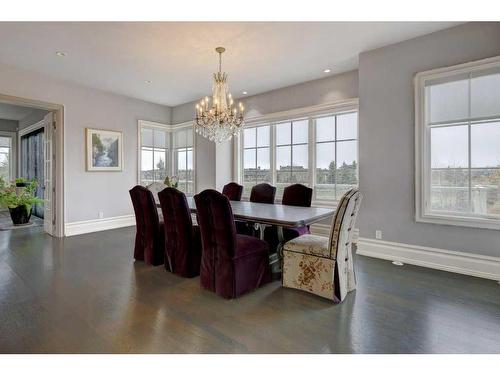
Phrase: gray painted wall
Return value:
(89, 192)
(387, 148)
(214, 163)
(9, 125)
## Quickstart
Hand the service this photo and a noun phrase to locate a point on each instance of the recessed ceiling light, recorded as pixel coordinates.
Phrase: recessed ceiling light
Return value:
(61, 54)
(244, 93)
(326, 71)
(148, 81)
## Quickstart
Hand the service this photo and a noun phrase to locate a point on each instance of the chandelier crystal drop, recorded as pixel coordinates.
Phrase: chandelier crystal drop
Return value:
(219, 120)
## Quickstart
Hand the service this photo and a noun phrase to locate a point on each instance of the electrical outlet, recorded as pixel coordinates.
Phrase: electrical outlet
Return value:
(101, 214)
(378, 234)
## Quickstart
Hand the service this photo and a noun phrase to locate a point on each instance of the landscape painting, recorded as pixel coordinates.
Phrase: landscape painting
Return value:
(104, 150)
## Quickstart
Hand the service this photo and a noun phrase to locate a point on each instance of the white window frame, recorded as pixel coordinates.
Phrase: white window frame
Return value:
(170, 129)
(306, 113)
(422, 148)
(13, 152)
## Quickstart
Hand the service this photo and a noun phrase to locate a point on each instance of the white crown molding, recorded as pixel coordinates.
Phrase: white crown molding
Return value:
(96, 225)
(316, 110)
(446, 260)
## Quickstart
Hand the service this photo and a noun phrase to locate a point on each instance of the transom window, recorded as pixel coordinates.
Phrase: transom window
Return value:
(458, 147)
(166, 152)
(316, 151)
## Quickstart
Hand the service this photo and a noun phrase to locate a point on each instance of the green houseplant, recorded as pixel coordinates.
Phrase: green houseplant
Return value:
(19, 202)
(171, 181)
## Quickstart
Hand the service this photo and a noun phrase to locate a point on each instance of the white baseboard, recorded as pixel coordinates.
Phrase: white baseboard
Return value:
(446, 260)
(96, 225)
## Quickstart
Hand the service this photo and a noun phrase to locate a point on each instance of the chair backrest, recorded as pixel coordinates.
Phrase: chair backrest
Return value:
(233, 191)
(297, 195)
(155, 188)
(177, 221)
(216, 221)
(263, 193)
(146, 214)
(344, 221)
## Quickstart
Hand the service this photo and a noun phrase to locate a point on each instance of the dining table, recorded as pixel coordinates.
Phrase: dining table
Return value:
(279, 215)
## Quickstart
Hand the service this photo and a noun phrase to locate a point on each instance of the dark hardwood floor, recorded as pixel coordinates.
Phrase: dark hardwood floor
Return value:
(85, 294)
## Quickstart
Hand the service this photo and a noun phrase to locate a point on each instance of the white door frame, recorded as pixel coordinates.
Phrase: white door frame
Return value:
(58, 142)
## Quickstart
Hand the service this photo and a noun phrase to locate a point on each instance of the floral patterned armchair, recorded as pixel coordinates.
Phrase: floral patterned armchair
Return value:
(321, 265)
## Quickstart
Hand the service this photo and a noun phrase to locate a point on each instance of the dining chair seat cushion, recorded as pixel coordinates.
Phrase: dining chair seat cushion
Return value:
(309, 244)
(271, 234)
(248, 245)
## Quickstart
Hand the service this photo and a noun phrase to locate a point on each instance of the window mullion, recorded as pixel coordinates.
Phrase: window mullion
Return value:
(469, 146)
(335, 160)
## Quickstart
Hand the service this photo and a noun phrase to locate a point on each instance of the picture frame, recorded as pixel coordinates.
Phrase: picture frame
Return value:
(104, 150)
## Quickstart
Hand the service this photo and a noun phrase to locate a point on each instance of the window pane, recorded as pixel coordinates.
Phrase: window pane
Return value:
(5, 165)
(449, 190)
(485, 95)
(283, 163)
(249, 165)
(189, 138)
(263, 165)
(146, 165)
(160, 165)
(147, 137)
(249, 159)
(347, 167)
(449, 101)
(190, 171)
(300, 158)
(485, 145)
(263, 135)
(325, 129)
(485, 193)
(347, 126)
(160, 138)
(249, 137)
(283, 134)
(4, 141)
(300, 131)
(325, 163)
(347, 153)
(181, 138)
(181, 163)
(449, 147)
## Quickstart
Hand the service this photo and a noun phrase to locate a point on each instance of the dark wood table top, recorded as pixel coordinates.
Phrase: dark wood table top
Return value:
(275, 214)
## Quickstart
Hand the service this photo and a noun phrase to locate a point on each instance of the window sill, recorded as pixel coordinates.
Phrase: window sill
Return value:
(459, 221)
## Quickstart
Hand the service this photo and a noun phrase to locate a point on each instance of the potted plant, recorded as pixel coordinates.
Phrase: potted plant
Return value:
(19, 203)
(171, 181)
(21, 182)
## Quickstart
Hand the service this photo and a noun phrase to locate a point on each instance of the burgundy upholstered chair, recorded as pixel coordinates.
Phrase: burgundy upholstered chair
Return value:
(182, 239)
(293, 195)
(263, 193)
(231, 264)
(233, 191)
(150, 235)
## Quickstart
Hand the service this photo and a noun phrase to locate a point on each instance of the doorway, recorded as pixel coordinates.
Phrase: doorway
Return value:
(31, 150)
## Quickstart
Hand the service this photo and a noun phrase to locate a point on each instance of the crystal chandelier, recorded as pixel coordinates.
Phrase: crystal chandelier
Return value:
(218, 120)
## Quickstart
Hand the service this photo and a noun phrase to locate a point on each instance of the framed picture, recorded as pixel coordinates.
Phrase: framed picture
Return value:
(104, 150)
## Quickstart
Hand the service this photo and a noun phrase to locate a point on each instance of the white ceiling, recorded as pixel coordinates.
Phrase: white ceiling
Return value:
(179, 57)
(14, 112)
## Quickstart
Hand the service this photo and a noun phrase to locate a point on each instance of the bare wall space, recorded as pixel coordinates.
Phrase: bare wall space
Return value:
(387, 136)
